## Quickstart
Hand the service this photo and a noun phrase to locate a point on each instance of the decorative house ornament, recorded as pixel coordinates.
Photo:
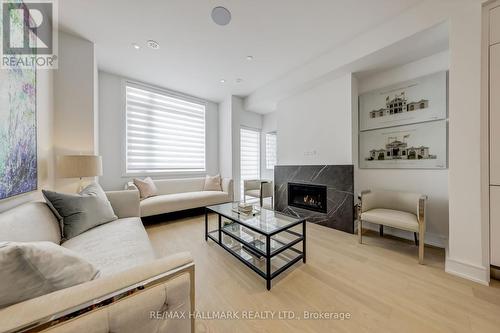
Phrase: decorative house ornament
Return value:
(399, 150)
(399, 104)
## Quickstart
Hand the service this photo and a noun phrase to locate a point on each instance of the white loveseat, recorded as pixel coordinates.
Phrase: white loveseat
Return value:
(132, 285)
(181, 194)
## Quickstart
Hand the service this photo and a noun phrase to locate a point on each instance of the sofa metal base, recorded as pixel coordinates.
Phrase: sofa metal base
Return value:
(112, 298)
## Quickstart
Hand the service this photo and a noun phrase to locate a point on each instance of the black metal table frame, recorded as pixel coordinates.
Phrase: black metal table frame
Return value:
(268, 276)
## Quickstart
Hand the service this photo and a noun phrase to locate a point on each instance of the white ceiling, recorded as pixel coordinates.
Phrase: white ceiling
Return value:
(195, 53)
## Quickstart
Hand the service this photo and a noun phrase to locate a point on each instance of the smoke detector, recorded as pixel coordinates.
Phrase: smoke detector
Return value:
(152, 44)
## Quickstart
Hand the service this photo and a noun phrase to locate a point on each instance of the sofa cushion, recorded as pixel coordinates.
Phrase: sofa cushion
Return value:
(147, 187)
(391, 218)
(32, 269)
(180, 201)
(81, 212)
(115, 246)
(212, 183)
(29, 222)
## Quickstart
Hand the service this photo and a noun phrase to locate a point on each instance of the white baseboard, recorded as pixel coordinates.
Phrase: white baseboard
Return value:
(430, 238)
(467, 271)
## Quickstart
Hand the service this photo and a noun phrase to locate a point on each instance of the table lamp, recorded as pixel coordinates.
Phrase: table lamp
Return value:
(79, 166)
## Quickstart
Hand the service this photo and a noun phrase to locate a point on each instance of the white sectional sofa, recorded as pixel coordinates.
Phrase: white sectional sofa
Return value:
(181, 194)
(133, 283)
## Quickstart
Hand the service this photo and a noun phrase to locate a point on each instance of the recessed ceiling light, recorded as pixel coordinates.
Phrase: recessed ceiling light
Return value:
(221, 15)
(222, 81)
(238, 80)
(249, 58)
(152, 44)
(136, 46)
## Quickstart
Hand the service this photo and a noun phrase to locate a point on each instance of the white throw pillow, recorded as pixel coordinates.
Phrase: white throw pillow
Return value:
(147, 187)
(32, 269)
(212, 183)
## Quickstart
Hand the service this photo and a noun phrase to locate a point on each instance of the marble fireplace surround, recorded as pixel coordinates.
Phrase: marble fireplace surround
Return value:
(338, 179)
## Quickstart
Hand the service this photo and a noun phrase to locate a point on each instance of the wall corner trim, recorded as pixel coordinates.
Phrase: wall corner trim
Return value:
(468, 271)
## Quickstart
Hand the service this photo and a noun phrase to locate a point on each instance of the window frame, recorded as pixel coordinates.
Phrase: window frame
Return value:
(265, 147)
(259, 132)
(123, 126)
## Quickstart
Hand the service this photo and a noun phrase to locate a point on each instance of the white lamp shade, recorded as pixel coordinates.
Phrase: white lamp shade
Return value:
(79, 166)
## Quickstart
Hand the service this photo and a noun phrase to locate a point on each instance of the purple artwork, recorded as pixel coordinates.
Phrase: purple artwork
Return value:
(18, 152)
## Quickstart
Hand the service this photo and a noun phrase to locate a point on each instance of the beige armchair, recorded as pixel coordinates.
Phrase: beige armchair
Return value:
(257, 188)
(402, 210)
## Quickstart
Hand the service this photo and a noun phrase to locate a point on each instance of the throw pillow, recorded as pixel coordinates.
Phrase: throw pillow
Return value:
(212, 183)
(80, 212)
(147, 187)
(32, 269)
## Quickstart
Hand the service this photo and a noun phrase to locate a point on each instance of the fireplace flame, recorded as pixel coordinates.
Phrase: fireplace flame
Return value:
(310, 200)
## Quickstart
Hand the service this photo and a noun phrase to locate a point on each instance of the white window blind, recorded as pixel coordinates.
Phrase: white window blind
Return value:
(249, 155)
(165, 133)
(271, 145)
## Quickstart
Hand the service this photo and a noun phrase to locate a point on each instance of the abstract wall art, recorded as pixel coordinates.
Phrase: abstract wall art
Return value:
(18, 138)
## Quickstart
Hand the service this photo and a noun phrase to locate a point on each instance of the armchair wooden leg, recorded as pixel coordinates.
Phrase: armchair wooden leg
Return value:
(421, 245)
(381, 230)
(360, 230)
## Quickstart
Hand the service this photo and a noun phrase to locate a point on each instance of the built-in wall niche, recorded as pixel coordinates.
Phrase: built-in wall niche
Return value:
(404, 126)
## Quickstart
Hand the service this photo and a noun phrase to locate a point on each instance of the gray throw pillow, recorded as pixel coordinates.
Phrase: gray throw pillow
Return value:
(80, 212)
(33, 269)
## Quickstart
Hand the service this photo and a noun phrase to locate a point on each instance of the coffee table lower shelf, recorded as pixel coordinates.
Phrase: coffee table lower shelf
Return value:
(267, 261)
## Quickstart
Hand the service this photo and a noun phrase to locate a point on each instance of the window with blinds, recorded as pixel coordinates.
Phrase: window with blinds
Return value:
(249, 155)
(165, 133)
(271, 144)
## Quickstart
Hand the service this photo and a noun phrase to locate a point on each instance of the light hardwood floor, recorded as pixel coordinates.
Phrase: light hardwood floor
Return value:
(380, 283)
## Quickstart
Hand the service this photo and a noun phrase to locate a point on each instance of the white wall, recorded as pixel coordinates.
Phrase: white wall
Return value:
(233, 116)
(112, 134)
(468, 253)
(75, 113)
(45, 117)
(225, 139)
(269, 124)
(433, 183)
(314, 126)
(468, 244)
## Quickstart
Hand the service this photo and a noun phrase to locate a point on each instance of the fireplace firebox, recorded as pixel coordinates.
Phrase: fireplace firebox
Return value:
(307, 196)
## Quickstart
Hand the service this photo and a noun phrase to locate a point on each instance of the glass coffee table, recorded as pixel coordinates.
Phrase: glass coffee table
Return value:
(266, 242)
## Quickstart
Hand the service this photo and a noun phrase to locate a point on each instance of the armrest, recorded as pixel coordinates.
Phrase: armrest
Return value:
(125, 203)
(251, 184)
(422, 202)
(267, 190)
(65, 304)
(130, 186)
(227, 186)
(363, 198)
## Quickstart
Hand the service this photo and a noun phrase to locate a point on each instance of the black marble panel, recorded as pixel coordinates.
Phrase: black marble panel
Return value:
(338, 179)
